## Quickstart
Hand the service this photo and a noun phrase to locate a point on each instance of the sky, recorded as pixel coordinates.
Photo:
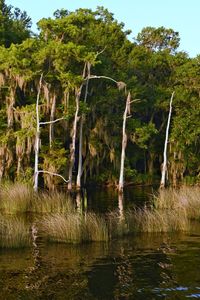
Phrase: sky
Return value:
(180, 15)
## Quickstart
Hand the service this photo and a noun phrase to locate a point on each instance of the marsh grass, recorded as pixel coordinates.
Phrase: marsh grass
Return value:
(20, 198)
(185, 199)
(74, 228)
(15, 197)
(95, 228)
(14, 233)
(61, 228)
(150, 220)
(52, 203)
(170, 210)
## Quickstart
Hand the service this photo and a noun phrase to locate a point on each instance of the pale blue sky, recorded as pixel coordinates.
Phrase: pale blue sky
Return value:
(181, 15)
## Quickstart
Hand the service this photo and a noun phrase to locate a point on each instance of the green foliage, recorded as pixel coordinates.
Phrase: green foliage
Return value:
(14, 25)
(143, 134)
(70, 47)
(158, 39)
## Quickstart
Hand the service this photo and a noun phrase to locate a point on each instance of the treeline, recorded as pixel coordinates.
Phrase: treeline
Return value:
(80, 68)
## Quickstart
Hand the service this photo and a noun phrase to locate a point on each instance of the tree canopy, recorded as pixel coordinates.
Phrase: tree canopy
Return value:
(78, 53)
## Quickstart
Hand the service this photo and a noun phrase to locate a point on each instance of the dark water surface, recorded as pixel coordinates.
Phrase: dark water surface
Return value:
(103, 200)
(146, 266)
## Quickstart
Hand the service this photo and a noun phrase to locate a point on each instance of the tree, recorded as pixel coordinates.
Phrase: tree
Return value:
(14, 25)
(157, 39)
(164, 165)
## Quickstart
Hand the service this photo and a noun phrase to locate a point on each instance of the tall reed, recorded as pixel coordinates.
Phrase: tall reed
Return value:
(54, 202)
(61, 228)
(74, 228)
(95, 228)
(14, 233)
(15, 197)
(185, 198)
(20, 198)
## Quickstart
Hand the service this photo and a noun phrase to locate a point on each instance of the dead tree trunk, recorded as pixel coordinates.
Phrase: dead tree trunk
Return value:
(80, 164)
(52, 117)
(37, 136)
(124, 143)
(164, 165)
(73, 144)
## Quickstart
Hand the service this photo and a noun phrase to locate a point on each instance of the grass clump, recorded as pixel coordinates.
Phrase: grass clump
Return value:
(151, 220)
(20, 198)
(14, 233)
(52, 203)
(15, 197)
(61, 228)
(74, 228)
(186, 198)
(96, 228)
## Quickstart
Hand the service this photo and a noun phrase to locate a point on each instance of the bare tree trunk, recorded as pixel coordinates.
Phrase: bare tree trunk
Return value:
(80, 159)
(164, 165)
(52, 116)
(124, 143)
(37, 137)
(80, 166)
(73, 144)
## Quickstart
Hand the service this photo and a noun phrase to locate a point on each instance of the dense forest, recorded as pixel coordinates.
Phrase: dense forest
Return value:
(63, 95)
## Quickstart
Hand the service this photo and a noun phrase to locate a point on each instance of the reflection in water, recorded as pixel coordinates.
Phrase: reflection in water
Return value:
(121, 206)
(142, 267)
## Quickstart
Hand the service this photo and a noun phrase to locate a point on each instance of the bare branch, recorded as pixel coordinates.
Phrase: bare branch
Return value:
(104, 77)
(51, 122)
(135, 100)
(100, 52)
(54, 174)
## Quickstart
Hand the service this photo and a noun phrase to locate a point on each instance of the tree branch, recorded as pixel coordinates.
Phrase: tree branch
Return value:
(104, 77)
(54, 174)
(51, 122)
(98, 53)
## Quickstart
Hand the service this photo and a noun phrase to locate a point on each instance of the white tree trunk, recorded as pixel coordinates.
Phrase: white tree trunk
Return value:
(80, 164)
(52, 116)
(74, 133)
(37, 136)
(164, 165)
(124, 143)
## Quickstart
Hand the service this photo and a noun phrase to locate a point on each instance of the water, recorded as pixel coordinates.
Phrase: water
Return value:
(104, 200)
(145, 266)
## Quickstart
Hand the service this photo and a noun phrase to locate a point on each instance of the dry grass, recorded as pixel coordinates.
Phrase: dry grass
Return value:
(149, 220)
(171, 210)
(96, 228)
(61, 228)
(52, 203)
(14, 233)
(20, 198)
(186, 198)
(15, 197)
(74, 228)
